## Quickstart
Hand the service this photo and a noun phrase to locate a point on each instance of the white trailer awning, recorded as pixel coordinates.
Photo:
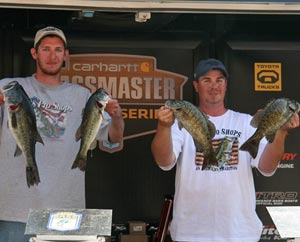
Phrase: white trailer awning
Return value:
(168, 6)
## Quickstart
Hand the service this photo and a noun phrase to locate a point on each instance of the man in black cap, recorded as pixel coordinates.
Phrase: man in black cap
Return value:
(215, 204)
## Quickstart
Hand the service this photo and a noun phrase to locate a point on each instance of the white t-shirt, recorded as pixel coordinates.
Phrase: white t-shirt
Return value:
(59, 114)
(216, 205)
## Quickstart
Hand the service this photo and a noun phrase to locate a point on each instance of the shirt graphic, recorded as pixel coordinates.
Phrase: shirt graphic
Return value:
(226, 150)
(51, 118)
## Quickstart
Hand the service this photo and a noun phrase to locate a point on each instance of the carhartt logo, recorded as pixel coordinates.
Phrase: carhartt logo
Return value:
(134, 80)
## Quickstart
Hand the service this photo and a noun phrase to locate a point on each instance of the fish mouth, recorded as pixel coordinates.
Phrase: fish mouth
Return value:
(294, 107)
(100, 105)
(168, 103)
(14, 107)
(106, 92)
(167, 106)
(9, 86)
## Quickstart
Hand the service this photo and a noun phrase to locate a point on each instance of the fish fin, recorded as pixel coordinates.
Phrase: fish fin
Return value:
(93, 145)
(13, 121)
(205, 163)
(211, 128)
(270, 138)
(32, 175)
(209, 159)
(78, 134)
(180, 125)
(80, 163)
(205, 115)
(251, 145)
(199, 148)
(38, 138)
(104, 121)
(18, 151)
(212, 158)
(256, 118)
(82, 112)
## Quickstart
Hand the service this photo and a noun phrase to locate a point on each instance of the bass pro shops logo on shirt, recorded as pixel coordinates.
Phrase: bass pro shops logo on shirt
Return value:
(226, 152)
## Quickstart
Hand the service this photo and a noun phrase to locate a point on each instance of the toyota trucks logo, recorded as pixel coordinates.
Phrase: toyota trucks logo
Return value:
(267, 76)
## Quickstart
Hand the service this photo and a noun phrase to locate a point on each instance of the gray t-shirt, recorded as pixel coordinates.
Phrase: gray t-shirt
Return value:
(59, 112)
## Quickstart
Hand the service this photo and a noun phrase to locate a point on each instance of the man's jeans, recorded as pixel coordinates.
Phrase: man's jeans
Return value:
(13, 232)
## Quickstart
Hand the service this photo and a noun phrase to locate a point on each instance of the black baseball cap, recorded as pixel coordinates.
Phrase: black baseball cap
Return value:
(207, 65)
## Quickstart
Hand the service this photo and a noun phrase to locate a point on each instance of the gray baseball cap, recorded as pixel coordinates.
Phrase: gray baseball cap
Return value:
(50, 30)
(207, 65)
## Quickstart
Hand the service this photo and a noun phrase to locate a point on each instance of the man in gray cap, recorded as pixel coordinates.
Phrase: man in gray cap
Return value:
(50, 30)
(215, 204)
(58, 107)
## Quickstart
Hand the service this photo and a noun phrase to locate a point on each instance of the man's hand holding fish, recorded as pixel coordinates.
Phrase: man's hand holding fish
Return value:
(165, 117)
(117, 123)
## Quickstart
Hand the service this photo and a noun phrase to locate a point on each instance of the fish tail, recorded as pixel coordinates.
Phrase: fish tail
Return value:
(205, 163)
(213, 159)
(80, 162)
(32, 175)
(210, 160)
(251, 145)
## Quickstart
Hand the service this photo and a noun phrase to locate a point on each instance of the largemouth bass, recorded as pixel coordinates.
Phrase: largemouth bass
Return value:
(91, 122)
(22, 124)
(197, 124)
(268, 120)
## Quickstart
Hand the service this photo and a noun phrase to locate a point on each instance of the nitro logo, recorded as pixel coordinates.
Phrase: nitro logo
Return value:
(276, 198)
(134, 80)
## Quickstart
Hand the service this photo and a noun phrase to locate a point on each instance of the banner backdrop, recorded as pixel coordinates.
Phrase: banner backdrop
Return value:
(257, 76)
(142, 74)
(259, 72)
(141, 88)
(135, 81)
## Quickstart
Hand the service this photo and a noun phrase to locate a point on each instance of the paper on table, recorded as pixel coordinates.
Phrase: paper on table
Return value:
(286, 220)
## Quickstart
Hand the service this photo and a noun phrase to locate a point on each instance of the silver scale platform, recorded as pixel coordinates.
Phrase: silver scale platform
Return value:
(80, 225)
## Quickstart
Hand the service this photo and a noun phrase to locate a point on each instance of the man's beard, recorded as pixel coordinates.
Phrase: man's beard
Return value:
(49, 72)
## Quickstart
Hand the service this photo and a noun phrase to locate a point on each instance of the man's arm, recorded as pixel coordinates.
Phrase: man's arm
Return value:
(162, 147)
(273, 152)
(116, 129)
